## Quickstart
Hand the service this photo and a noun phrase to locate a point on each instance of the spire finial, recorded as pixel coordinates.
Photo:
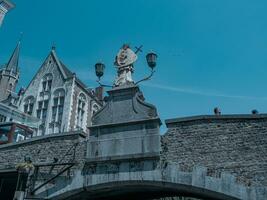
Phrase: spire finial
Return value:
(53, 47)
(21, 36)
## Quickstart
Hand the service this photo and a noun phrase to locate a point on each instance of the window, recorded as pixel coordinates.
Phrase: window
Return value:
(28, 105)
(81, 111)
(47, 83)
(58, 104)
(57, 110)
(41, 112)
(2, 118)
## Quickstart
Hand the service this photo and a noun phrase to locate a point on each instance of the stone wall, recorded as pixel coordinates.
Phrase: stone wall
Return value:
(44, 149)
(229, 143)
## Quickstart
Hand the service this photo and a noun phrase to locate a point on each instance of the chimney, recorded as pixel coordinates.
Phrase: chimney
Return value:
(99, 92)
(254, 112)
(217, 111)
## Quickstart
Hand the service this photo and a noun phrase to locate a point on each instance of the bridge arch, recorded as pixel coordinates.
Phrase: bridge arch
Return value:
(162, 182)
(145, 190)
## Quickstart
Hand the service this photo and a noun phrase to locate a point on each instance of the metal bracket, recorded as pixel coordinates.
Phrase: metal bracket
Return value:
(103, 85)
(70, 165)
(146, 78)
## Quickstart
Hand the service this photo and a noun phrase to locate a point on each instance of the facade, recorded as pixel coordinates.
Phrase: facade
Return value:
(55, 100)
(5, 6)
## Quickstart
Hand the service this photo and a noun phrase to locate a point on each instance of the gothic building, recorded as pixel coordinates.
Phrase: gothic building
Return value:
(55, 98)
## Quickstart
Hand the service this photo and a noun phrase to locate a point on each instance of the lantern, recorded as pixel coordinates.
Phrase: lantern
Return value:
(151, 59)
(99, 69)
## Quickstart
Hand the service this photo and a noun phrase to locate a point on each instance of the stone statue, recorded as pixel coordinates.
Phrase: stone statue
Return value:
(124, 62)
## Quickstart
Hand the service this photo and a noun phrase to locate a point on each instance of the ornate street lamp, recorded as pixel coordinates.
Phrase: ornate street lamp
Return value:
(151, 59)
(124, 63)
(99, 70)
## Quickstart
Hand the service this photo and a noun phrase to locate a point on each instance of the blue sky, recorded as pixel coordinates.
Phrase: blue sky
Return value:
(211, 53)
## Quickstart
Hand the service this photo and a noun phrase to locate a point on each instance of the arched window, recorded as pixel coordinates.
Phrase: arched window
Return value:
(58, 104)
(47, 83)
(81, 111)
(28, 105)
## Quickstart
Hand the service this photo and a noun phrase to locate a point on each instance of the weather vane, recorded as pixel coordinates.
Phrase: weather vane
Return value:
(124, 62)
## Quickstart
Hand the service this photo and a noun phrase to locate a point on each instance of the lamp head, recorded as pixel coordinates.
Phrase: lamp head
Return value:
(99, 69)
(151, 59)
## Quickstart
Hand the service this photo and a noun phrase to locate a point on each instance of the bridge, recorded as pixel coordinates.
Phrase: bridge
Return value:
(125, 157)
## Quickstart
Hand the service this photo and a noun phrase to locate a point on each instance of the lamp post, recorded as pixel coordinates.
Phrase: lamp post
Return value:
(99, 70)
(151, 59)
(124, 61)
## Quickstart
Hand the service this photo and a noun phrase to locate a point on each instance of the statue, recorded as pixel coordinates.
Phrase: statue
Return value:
(124, 62)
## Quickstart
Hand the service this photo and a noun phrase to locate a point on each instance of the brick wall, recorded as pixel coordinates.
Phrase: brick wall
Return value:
(44, 149)
(227, 143)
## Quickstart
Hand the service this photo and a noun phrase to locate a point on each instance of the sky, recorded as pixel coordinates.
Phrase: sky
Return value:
(210, 53)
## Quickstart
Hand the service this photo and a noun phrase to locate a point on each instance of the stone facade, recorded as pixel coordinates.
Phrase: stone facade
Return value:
(55, 98)
(54, 95)
(44, 149)
(236, 144)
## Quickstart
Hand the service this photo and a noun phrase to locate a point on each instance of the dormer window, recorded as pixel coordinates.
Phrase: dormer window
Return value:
(47, 83)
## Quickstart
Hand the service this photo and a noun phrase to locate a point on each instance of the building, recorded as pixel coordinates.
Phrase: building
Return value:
(55, 101)
(9, 75)
(5, 6)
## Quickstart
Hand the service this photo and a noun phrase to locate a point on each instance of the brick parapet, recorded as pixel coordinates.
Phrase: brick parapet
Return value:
(236, 144)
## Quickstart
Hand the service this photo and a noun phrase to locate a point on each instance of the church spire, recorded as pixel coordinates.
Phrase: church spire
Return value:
(13, 63)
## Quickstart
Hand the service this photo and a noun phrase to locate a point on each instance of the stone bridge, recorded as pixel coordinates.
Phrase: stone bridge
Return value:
(125, 157)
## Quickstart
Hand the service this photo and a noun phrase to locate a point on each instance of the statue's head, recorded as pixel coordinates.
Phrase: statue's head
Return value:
(125, 46)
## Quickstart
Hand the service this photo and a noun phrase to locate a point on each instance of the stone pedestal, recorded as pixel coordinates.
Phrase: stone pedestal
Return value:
(125, 132)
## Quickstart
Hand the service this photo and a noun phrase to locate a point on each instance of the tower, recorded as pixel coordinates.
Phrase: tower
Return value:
(5, 6)
(9, 75)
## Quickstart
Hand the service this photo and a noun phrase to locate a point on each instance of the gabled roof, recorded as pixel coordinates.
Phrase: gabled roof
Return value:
(67, 74)
(70, 74)
(63, 69)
